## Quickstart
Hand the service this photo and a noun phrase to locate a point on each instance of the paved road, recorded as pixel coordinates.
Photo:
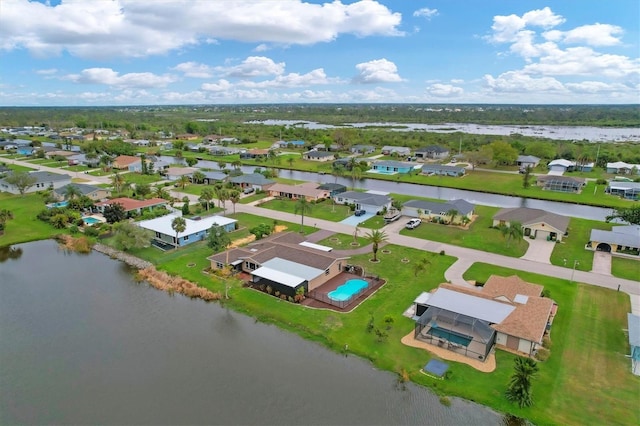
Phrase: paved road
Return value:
(466, 256)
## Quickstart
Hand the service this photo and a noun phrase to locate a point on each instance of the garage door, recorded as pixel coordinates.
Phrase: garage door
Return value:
(512, 342)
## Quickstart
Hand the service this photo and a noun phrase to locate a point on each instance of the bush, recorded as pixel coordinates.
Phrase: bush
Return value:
(90, 231)
(542, 354)
(444, 400)
(74, 229)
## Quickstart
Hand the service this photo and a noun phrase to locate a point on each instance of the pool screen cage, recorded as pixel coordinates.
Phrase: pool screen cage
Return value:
(451, 324)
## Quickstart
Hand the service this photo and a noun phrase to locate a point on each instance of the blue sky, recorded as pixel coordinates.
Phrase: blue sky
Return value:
(135, 52)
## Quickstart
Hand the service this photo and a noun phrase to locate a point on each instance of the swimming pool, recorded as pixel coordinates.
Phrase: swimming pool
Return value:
(347, 290)
(90, 220)
(58, 205)
(451, 336)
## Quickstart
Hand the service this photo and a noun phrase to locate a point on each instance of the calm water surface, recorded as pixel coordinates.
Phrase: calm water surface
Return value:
(82, 343)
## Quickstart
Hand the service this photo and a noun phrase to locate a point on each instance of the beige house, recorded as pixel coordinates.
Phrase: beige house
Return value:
(535, 223)
(308, 190)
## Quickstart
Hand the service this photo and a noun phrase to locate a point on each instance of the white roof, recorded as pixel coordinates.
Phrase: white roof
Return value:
(423, 298)
(371, 191)
(315, 246)
(562, 162)
(304, 272)
(472, 306)
(163, 224)
(278, 276)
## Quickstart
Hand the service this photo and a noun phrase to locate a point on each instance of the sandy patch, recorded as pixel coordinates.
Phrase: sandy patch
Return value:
(486, 367)
(251, 238)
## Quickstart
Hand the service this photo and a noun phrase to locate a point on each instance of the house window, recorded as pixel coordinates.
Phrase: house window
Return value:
(185, 238)
(326, 272)
(157, 235)
(219, 265)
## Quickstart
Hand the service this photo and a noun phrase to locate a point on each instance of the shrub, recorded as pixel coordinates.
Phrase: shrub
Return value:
(74, 229)
(542, 354)
(441, 252)
(444, 400)
(90, 231)
(546, 342)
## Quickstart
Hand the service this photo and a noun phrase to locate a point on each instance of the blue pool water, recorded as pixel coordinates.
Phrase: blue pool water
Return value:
(451, 336)
(90, 220)
(58, 205)
(347, 290)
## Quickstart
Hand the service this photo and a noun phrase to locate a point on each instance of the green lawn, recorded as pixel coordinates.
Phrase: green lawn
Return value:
(344, 241)
(140, 178)
(625, 268)
(25, 226)
(323, 210)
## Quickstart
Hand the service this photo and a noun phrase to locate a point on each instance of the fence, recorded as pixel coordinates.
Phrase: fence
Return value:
(324, 297)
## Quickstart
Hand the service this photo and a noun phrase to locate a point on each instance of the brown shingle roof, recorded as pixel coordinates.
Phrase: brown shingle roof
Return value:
(527, 216)
(125, 160)
(510, 286)
(131, 204)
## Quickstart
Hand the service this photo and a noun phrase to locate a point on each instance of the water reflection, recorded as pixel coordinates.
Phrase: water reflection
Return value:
(10, 252)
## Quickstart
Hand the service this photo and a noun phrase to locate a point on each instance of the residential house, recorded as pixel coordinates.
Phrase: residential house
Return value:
(308, 190)
(525, 161)
(225, 150)
(213, 177)
(187, 137)
(371, 201)
(506, 312)
(333, 188)
(392, 167)
(127, 162)
(94, 192)
(256, 181)
(323, 147)
(401, 151)
(26, 150)
(536, 223)
(434, 152)
(438, 210)
(621, 239)
(363, 149)
(293, 144)
(557, 183)
(442, 170)
(255, 153)
(622, 168)
(58, 154)
(285, 262)
(175, 173)
(131, 206)
(43, 180)
(561, 165)
(633, 327)
(321, 156)
(197, 229)
(628, 190)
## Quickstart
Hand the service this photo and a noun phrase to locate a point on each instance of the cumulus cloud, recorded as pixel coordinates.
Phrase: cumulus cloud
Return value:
(425, 12)
(131, 28)
(377, 71)
(109, 77)
(445, 90)
(584, 61)
(194, 70)
(518, 82)
(49, 71)
(506, 28)
(253, 66)
(312, 78)
(592, 35)
(221, 86)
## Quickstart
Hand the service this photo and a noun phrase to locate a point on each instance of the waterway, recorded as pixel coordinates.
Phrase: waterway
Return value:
(436, 192)
(570, 133)
(83, 343)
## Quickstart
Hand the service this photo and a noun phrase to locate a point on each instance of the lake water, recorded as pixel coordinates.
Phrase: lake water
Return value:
(572, 133)
(83, 343)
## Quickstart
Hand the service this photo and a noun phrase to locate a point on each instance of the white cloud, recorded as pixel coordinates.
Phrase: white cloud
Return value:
(584, 61)
(261, 48)
(109, 77)
(377, 71)
(253, 66)
(518, 82)
(312, 78)
(444, 91)
(49, 71)
(194, 70)
(425, 12)
(506, 28)
(592, 35)
(221, 86)
(131, 28)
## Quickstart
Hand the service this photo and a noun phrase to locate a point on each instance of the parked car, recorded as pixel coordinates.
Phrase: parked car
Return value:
(249, 190)
(359, 212)
(413, 223)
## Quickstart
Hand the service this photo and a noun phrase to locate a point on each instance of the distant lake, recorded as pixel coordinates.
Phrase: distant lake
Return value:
(83, 343)
(577, 133)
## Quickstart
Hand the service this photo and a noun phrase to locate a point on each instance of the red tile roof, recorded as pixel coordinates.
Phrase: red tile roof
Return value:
(130, 204)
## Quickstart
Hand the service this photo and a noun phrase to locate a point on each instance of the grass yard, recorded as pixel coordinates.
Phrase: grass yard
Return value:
(140, 178)
(625, 268)
(344, 241)
(323, 210)
(479, 236)
(25, 226)
(572, 246)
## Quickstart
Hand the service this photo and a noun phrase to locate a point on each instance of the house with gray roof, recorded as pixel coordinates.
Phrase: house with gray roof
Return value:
(362, 149)
(211, 177)
(525, 161)
(392, 167)
(621, 239)
(622, 168)
(43, 180)
(557, 183)
(94, 192)
(371, 202)
(319, 156)
(628, 190)
(442, 170)
(283, 261)
(438, 211)
(435, 152)
(398, 150)
(333, 188)
(256, 181)
(536, 223)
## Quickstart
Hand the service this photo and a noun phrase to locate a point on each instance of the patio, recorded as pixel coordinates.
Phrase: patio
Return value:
(318, 297)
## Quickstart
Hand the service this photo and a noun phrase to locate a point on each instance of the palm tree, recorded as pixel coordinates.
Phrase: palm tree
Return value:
(206, 196)
(337, 172)
(234, 197)
(183, 181)
(303, 207)
(236, 164)
(105, 162)
(222, 165)
(356, 231)
(452, 213)
(179, 225)
(376, 237)
(71, 191)
(356, 174)
(519, 390)
(420, 266)
(5, 215)
(218, 188)
(511, 232)
(118, 181)
(223, 196)
(198, 177)
(290, 160)
(160, 192)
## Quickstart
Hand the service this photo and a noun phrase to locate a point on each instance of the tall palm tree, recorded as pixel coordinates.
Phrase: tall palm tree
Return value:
(117, 180)
(160, 192)
(236, 164)
(183, 181)
(179, 225)
(337, 172)
(198, 177)
(206, 196)
(512, 232)
(5, 215)
(356, 174)
(519, 390)
(376, 237)
(452, 213)
(234, 197)
(303, 207)
(223, 196)
(71, 191)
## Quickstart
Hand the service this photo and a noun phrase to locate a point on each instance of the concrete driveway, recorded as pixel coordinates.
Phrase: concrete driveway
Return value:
(601, 263)
(539, 250)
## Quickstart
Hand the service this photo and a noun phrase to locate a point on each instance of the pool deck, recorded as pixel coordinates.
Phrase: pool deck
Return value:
(337, 281)
(487, 366)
